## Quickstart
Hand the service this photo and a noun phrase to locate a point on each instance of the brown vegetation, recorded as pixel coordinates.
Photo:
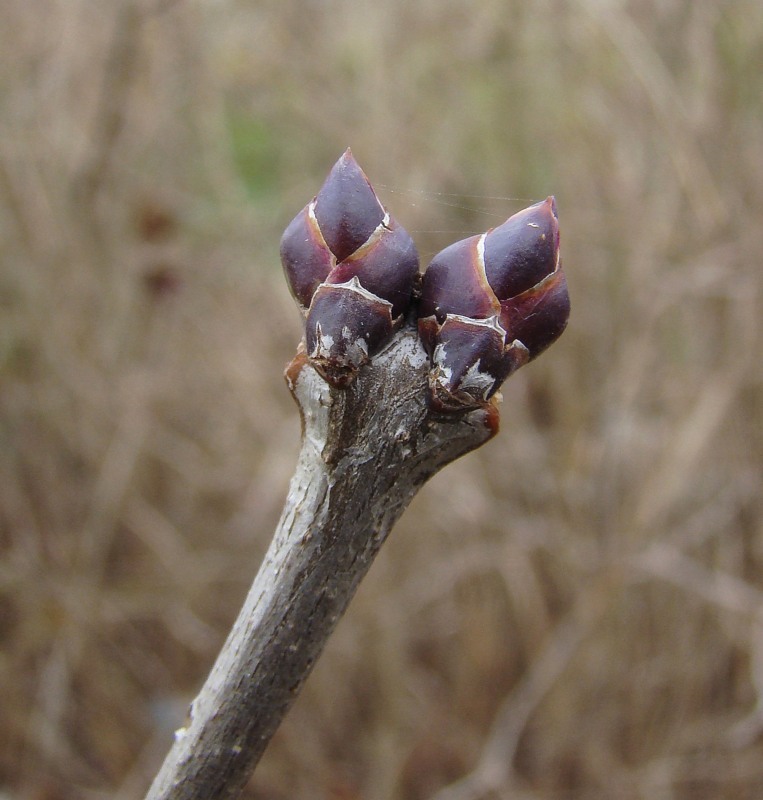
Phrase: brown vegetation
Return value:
(574, 611)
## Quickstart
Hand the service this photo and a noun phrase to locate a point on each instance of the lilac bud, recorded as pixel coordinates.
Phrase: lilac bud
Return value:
(347, 208)
(490, 304)
(351, 268)
(347, 318)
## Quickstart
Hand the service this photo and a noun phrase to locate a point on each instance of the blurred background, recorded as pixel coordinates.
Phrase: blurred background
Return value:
(574, 611)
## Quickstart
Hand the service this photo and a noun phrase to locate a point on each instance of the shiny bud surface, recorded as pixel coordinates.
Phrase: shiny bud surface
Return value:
(490, 304)
(351, 268)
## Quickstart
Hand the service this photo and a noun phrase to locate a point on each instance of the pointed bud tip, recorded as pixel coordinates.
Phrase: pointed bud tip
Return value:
(347, 163)
(347, 208)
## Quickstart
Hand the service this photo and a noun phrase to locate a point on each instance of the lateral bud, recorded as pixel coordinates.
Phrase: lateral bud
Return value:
(490, 304)
(351, 268)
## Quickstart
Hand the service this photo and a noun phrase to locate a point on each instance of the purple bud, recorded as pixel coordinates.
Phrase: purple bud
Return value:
(490, 304)
(347, 208)
(470, 360)
(351, 268)
(344, 325)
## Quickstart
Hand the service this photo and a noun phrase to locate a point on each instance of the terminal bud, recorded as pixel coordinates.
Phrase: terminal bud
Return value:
(490, 304)
(351, 268)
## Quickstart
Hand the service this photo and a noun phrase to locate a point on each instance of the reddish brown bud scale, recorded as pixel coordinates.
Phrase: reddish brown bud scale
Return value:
(456, 280)
(389, 244)
(470, 359)
(538, 316)
(490, 304)
(523, 250)
(351, 268)
(348, 319)
(305, 256)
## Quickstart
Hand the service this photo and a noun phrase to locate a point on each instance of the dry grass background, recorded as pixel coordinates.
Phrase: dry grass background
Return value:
(575, 611)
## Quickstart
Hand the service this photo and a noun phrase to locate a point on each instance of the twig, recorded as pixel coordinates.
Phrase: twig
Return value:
(365, 452)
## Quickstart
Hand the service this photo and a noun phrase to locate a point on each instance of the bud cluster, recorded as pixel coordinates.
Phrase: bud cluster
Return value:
(351, 268)
(488, 305)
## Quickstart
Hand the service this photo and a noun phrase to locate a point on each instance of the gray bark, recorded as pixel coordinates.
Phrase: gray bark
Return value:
(365, 452)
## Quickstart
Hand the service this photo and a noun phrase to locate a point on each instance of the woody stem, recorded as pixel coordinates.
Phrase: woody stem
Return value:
(366, 451)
